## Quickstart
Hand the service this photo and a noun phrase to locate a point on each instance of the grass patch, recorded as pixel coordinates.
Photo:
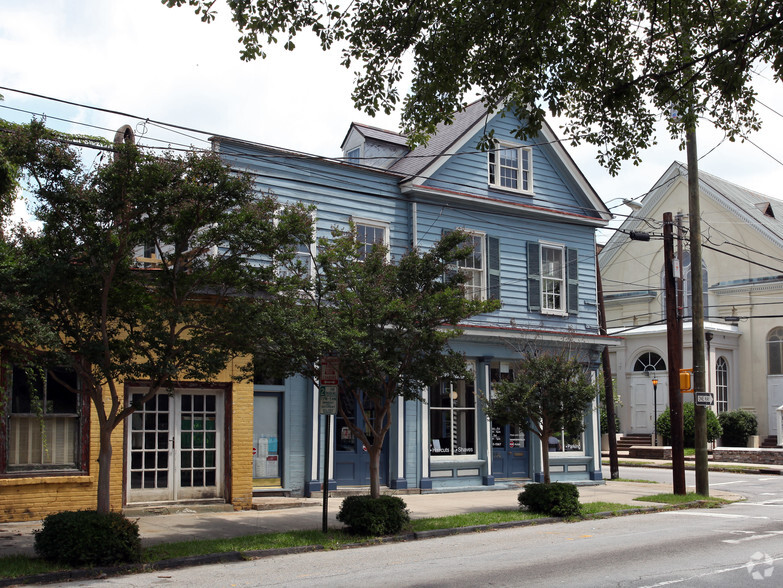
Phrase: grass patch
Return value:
(260, 541)
(629, 463)
(637, 480)
(682, 498)
(470, 519)
(590, 508)
(13, 566)
(689, 451)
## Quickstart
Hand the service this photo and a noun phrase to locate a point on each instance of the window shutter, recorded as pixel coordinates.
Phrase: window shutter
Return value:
(572, 280)
(493, 266)
(533, 276)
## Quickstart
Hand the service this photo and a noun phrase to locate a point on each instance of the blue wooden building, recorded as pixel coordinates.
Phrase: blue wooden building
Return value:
(532, 216)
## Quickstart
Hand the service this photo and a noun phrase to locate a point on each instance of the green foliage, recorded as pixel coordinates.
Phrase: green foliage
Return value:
(387, 321)
(688, 425)
(737, 426)
(558, 499)
(88, 538)
(538, 57)
(365, 515)
(551, 391)
(73, 293)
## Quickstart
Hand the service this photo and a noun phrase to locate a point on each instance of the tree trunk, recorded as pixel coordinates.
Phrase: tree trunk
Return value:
(375, 469)
(104, 469)
(545, 458)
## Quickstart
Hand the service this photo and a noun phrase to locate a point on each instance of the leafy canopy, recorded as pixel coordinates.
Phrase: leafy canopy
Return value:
(609, 67)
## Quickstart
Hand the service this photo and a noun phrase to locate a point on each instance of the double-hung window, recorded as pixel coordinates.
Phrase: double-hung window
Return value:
(553, 278)
(473, 267)
(452, 418)
(369, 233)
(481, 267)
(44, 422)
(511, 167)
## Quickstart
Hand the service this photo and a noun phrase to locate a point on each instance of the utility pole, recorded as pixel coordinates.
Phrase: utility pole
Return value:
(674, 345)
(611, 430)
(697, 313)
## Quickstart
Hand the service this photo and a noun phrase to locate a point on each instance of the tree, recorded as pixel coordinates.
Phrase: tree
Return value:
(388, 323)
(550, 392)
(139, 271)
(611, 68)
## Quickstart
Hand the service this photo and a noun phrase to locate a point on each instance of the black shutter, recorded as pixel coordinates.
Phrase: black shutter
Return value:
(533, 276)
(493, 265)
(572, 280)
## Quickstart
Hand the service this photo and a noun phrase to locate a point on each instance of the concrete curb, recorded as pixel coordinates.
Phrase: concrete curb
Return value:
(237, 556)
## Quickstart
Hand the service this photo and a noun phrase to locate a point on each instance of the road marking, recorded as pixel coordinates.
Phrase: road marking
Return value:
(753, 537)
(767, 479)
(727, 483)
(704, 575)
(717, 515)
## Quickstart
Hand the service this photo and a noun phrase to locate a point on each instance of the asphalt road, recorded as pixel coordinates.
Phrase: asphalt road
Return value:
(738, 545)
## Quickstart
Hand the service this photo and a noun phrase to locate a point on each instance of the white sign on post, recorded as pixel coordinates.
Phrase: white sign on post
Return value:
(327, 400)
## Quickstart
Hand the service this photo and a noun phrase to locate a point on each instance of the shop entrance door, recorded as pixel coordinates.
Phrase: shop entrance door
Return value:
(510, 454)
(351, 459)
(267, 442)
(176, 447)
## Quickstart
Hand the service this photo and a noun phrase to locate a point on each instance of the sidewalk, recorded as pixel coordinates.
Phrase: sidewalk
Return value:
(17, 538)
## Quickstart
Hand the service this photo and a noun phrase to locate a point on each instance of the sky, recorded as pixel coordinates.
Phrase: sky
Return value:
(153, 63)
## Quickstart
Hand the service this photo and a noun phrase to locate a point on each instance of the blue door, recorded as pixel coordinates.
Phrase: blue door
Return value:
(351, 459)
(510, 453)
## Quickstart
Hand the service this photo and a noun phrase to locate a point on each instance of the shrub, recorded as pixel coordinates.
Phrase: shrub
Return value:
(688, 425)
(737, 426)
(88, 538)
(558, 499)
(366, 515)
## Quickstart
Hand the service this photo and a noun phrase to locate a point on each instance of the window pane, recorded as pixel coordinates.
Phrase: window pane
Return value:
(59, 399)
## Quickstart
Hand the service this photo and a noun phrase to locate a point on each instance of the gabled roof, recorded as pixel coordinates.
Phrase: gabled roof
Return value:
(756, 209)
(376, 134)
(445, 137)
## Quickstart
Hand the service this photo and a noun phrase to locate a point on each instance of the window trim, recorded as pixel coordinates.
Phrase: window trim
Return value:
(375, 224)
(562, 280)
(354, 159)
(81, 439)
(721, 385)
(484, 271)
(450, 457)
(535, 279)
(524, 154)
(777, 333)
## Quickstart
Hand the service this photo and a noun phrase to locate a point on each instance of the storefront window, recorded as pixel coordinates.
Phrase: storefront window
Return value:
(452, 418)
(562, 442)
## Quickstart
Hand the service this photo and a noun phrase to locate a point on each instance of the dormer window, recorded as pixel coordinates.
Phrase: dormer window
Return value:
(354, 155)
(511, 167)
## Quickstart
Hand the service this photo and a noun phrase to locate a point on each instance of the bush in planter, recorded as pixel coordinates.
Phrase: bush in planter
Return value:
(737, 426)
(88, 538)
(365, 515)
(558, 499)
(688, 425)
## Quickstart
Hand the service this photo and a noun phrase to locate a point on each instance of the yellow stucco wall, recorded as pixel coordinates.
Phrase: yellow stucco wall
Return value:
(34, 497)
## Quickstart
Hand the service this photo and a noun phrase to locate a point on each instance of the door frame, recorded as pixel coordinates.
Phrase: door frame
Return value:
(224, 402)
(506, 450)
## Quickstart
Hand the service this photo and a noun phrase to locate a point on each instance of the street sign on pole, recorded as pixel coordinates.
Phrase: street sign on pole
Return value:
(327, 400)
(703, 399)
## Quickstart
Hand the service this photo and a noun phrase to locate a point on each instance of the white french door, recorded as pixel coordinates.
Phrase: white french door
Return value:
(176, 446)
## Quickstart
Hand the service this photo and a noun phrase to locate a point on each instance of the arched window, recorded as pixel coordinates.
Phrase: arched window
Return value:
(722, 385)
(649, 362)
(775, 352)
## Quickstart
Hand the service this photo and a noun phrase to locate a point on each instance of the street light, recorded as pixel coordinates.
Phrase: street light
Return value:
(655, 410)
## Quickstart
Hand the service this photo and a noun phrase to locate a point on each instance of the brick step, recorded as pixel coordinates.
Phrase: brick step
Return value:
(769, 442)
(627, 441)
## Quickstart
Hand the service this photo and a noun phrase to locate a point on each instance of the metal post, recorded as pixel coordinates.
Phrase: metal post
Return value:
(655, 411)
(327, 450)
